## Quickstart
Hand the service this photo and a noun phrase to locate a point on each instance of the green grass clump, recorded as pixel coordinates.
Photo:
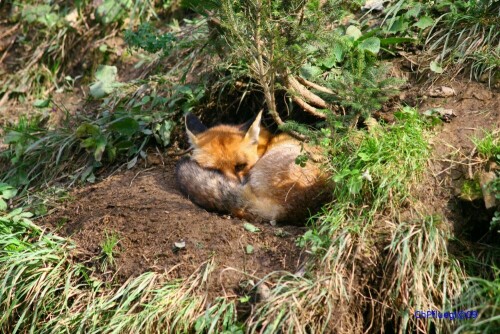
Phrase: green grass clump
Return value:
(489, 145)
(489, 148)
(360, 233)
(108, 249)
(418, 275)
(482, 297)
(43, 290)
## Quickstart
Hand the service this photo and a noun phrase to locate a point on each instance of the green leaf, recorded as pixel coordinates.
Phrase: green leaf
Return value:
(132, 163)
(3, 205)
(126, 126)
(249, 249)
(436, 68)
(371, 44)
(338, 51)
(87, 129)
(162, 132)
(106, 81)
(251, 228)
(100, 146)
(414, 11)
(353, 32)
(400, 24)
(41, 103)
(355, 185)
(395, 40)
(309, 71)
(88, 143)
(111, 153)
(106, 73)
(424, 22)
(330, 61)
(364, 156)
(9, 193)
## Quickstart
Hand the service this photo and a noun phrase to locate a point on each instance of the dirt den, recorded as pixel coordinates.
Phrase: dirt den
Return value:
(149, 215)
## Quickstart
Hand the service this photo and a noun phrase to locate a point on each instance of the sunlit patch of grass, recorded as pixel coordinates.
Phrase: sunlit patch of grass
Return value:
(489, 144)
(42, 290)
(469, 33)
(418, 275)
(109, 250)
(374, 172)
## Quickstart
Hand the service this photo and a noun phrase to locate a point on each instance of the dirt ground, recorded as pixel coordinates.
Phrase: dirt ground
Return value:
(476, 109)
(149, 215)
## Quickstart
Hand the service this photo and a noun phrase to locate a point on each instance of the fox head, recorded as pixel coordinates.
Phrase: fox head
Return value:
(231, 149)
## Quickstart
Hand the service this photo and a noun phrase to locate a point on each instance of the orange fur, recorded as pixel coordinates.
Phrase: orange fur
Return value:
(231, 150)
(275, 188)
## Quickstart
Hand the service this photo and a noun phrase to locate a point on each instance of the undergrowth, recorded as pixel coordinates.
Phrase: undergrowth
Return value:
(456, 34)
(121, 131)
(60, 31)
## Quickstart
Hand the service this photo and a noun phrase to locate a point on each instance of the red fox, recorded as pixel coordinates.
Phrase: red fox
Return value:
(246, 171)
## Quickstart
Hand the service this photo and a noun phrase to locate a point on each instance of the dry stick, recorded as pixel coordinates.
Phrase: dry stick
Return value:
(8, 32)
(180, 153)
(7, 49)
(5, 97)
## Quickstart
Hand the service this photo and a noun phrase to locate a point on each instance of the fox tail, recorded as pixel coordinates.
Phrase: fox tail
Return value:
(208, 188)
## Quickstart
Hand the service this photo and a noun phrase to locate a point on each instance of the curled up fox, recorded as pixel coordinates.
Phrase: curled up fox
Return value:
(246, 171)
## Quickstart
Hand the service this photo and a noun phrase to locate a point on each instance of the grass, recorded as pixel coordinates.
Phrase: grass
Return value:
(468, 33)
(351, 231)
(489, 144)
(456, 35)
(109, 250)
(79, 147)
(39, 279)
(63, 39)
(482, 296)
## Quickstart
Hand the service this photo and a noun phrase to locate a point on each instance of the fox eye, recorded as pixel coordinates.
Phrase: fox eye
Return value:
(240, 167)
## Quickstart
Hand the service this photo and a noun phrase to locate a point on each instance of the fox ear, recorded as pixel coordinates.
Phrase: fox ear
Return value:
(252, 134)
(193, 128)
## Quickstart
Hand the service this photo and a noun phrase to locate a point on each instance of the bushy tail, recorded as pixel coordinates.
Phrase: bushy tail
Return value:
(208, 188)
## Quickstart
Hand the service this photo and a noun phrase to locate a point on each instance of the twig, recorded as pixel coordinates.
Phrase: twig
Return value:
(178, 154)
(7, 50)
(7, 32)
(137, 174)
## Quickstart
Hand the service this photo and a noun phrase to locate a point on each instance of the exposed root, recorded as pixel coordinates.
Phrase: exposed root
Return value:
(307, 107)
(312, 98)
(313, 85)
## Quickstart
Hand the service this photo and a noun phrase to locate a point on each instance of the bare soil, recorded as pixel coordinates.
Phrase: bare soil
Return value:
(149, 215)
(476, 109)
